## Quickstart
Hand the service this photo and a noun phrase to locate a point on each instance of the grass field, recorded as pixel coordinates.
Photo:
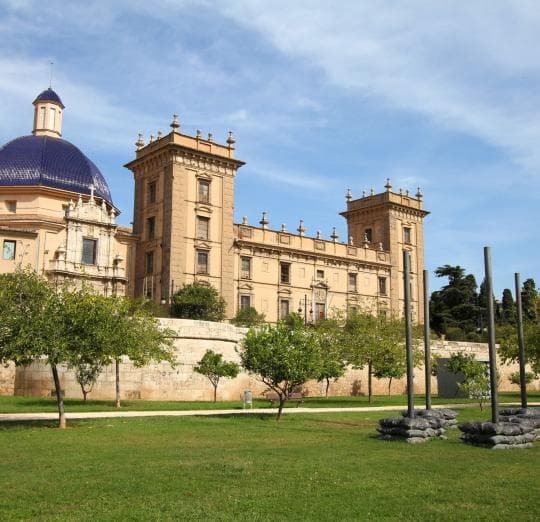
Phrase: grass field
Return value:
(306, 467)
(39, 404)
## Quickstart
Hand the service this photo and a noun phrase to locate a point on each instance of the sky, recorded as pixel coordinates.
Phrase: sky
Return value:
(322, 96)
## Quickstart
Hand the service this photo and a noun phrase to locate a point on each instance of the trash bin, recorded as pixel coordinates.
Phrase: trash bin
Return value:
(248, 399)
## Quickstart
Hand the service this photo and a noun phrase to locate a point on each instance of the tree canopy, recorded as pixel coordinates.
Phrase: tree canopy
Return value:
(198, 301)
(213, 367)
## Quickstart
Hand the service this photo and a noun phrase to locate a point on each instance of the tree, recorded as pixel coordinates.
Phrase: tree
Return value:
(247, 317)
(378, 342)
(515, 378)
(476, 382)
(456, 309)
(508, 344)
(508, 313)
(214, 368)
(333, 363)
(198, 301)
(283, 358)
(87, 374)
(529, 300)
(32, 326)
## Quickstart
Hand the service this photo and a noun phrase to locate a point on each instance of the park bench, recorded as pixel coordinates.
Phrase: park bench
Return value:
(273, 397)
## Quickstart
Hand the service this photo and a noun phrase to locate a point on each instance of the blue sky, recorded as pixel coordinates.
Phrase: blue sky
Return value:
(321, 95)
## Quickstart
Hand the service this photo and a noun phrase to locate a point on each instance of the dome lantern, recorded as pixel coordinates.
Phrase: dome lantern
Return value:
(48, 108)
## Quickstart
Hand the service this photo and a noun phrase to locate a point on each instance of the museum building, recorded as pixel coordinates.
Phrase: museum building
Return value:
(57, 215)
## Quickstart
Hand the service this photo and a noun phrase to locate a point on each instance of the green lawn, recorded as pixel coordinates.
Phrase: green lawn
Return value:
(39, 404)
(306, 467)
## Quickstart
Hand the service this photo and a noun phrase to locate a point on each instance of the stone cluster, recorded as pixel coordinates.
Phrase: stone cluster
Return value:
(500, 435)
(528, 416)
(447, 417)
(412, 430)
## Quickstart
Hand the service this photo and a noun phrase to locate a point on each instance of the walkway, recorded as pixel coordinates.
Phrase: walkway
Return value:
(191, 413)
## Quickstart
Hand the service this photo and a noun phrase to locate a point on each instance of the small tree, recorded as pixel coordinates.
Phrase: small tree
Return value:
(87, 374)
(476, 382)
(248, 317)
(515, 378)
(214, 368)
(333, 363)
(282, 357)
(198, 301)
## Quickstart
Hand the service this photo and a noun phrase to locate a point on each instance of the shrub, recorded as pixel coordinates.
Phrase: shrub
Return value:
(198, 301)
(248, 317)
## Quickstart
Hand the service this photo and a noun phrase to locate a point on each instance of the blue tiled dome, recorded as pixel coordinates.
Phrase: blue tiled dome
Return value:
(50, 162)
(49, 95)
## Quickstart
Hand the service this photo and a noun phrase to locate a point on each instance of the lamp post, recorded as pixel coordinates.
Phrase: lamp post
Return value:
(305, 307)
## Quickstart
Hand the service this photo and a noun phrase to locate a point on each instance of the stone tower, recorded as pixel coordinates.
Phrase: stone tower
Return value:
(393, 222)
(183, 212)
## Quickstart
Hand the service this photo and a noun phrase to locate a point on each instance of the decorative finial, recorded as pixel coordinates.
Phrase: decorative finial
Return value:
(140, 142)
(283, 227)
(380, 246)
(230, 140)
(210, 137)
(175, 123)
(334, 236)
(401, 192)
(244, 220)
(407, 192)
(199, 134)
(51, 64)
(419, 194)
(366, 240)
(388, 185)
(348, 196)
(159, 134)
(363, 193)
(152, 138)
(264, 220)
(371, 192)
(92, 188)
(351, 241)
(301, 229)
(319, 235)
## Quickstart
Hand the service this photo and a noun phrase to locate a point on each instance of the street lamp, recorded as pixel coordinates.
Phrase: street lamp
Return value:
(305, 303)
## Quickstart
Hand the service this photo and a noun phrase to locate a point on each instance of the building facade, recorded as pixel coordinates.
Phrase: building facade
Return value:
(183, 218)
(56, 211)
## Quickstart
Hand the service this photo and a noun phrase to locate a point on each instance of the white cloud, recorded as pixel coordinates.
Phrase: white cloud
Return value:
(471, 67)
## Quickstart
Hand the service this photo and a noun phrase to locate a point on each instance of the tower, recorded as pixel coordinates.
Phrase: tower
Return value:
(183, 214)
(48, 109)
(393, 222)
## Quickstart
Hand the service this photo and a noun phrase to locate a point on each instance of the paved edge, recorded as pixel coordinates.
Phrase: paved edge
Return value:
(13, 417)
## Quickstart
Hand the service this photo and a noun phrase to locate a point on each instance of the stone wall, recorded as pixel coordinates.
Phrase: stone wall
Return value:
(161, 382)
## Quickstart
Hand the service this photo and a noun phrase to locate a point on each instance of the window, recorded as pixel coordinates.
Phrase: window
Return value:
(368, 235)
(204, 191)
(245, 302)
(89, 251)
(8, 252)
(42, 118)
(11, 206)
(202, 262)
(320, 274)
(407, 235)
(151, 227)
(285, 272)
(52, 116)
(352, 282)
(382, 285)
(245, 269)
(283, 308)
(149, 262)
(151, 192)
(202, 227)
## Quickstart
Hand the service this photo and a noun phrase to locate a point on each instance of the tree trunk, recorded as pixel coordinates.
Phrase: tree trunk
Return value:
(369, 382)
(389, 385)
(117, 368)
(327, 386)
(215, 393)
(59, 398)
(280, 408)
(85, 393)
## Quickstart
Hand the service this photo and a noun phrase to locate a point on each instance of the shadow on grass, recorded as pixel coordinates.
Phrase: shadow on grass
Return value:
(28, 424)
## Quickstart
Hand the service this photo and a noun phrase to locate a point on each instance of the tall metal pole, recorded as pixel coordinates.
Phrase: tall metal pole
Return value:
(521, 343)
(408, 332)
(427, 343)
(491, 337)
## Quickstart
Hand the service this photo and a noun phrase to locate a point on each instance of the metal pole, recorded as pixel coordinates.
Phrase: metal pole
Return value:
(427, 343)
(521, 344)
(305, 310)
(408, 331)
(491, 337)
